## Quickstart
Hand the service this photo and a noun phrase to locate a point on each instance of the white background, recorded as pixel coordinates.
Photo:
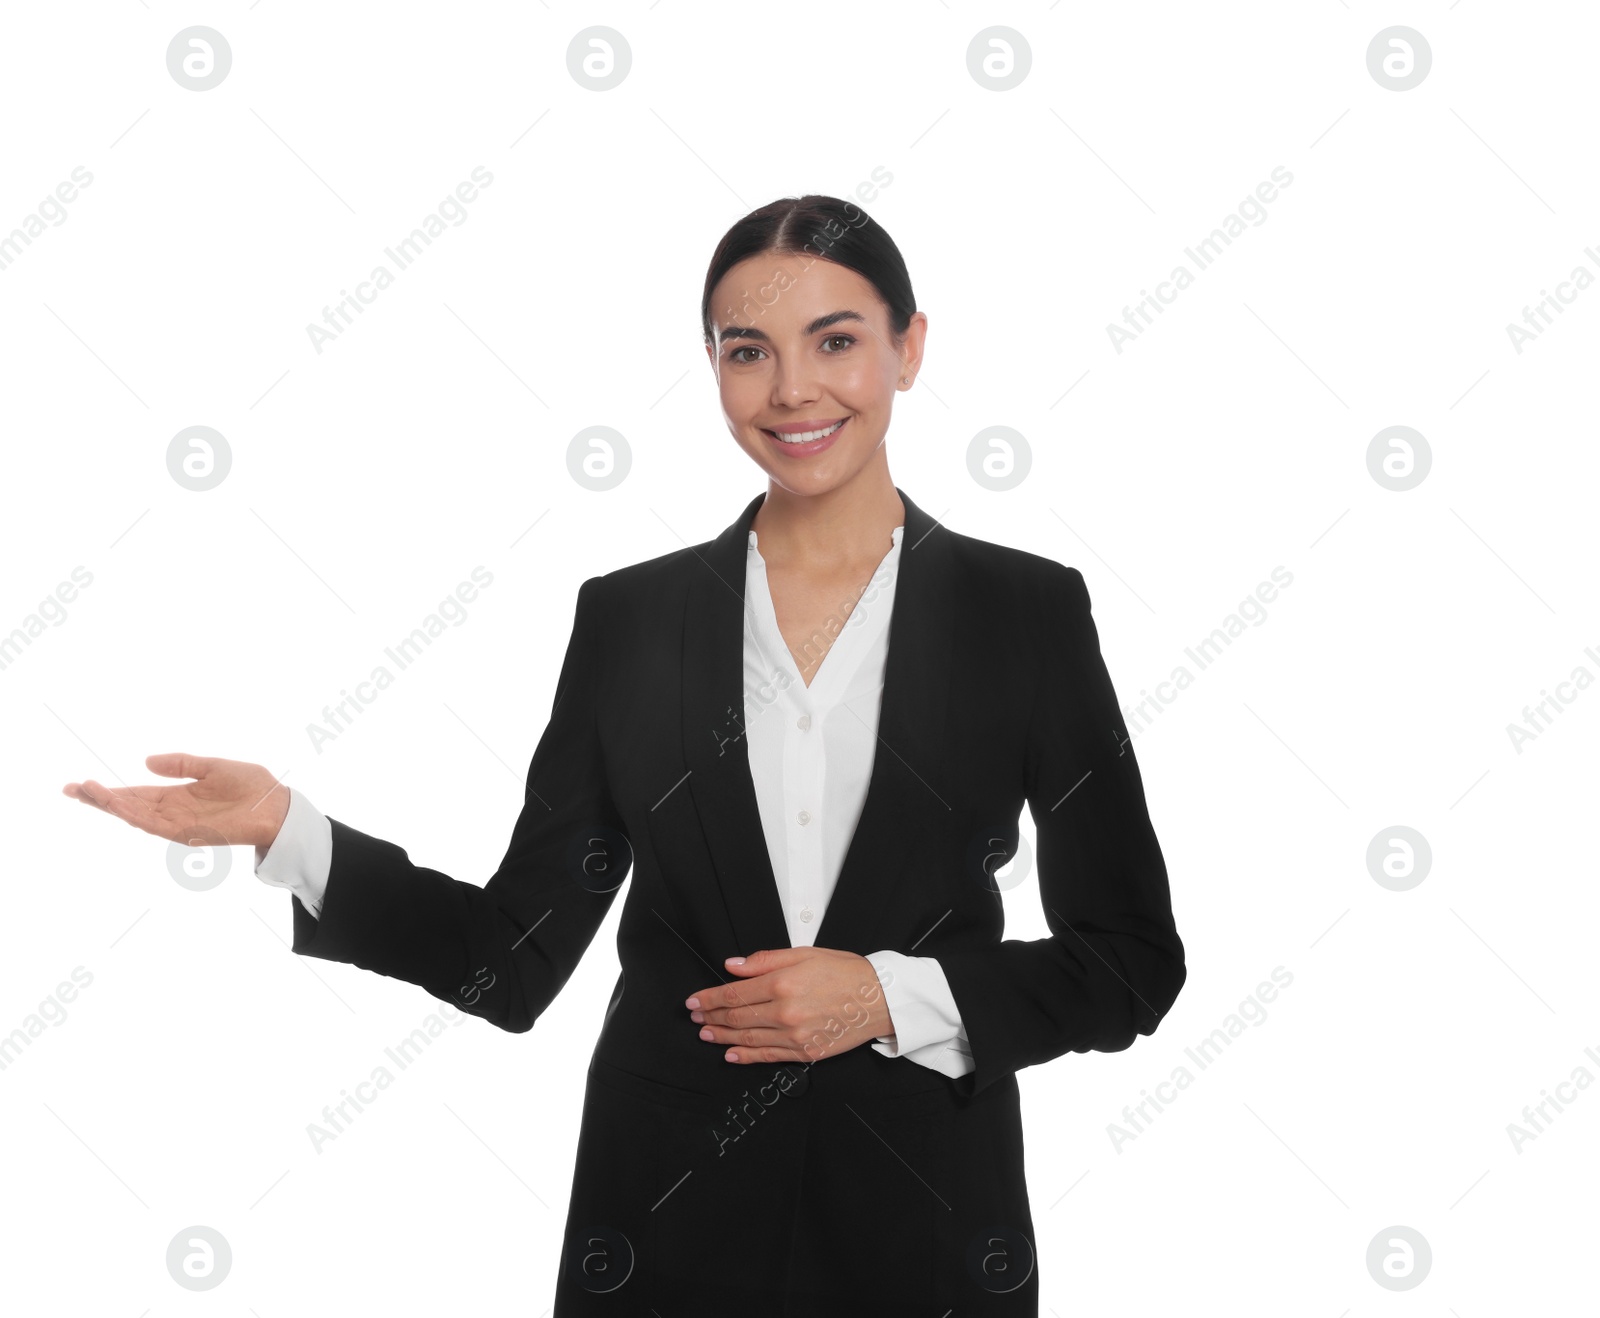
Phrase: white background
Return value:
(368, 480)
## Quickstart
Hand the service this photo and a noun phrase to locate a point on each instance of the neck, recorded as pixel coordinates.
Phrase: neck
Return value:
(836, 529)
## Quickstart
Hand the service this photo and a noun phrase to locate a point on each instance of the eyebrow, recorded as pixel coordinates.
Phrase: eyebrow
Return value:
(820, 323)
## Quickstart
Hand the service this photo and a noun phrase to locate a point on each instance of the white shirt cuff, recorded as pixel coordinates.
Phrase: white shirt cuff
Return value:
(301, 856)
(927, 1023)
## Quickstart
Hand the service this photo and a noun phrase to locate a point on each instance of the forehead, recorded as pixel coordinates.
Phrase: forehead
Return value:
(784, 293)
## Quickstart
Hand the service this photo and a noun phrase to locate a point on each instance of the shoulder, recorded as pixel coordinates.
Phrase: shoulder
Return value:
(638, 603)
(647, 579)
(1028, 580)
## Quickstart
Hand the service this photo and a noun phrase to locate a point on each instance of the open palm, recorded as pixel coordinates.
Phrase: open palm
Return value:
(243, 803)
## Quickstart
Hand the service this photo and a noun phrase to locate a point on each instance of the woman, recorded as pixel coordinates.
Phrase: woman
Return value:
(835, 1119)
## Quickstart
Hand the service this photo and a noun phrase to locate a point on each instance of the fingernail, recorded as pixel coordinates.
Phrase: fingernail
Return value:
(707, 1035)
(692, 1002)
(734, 961)
(697, 1016)
(730, 1057)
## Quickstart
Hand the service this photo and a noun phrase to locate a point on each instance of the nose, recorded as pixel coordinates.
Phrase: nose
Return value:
(794, 383)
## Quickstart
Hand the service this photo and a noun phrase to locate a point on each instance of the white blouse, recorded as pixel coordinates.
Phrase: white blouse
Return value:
(811, 751)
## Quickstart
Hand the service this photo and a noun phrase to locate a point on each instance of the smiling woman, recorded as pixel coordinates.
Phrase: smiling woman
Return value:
(791, 740)
(799, 384)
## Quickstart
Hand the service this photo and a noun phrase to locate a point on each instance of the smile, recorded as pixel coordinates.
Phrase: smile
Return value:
(805, 436)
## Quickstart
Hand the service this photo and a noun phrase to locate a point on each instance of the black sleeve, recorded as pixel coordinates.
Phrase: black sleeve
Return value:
(1113, 963)
(502, 951)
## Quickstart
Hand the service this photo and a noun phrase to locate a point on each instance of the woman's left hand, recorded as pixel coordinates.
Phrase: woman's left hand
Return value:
(793, 1004)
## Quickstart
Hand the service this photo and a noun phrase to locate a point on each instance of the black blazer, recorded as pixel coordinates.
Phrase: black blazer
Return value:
(857, 1180)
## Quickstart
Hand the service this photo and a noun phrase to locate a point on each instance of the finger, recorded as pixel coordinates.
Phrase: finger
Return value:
(129, 810)
(130, 804)
(757, 1046)
(740, 993)
(744, 1038)
(769, 959)
(92, 792)
(81, 792)
(738, 1018)
(103, 799)
(770, 1056)
(153, 793)
(97, 794)
(176, 764)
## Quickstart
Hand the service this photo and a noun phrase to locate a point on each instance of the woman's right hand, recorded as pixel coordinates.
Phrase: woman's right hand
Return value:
(242, 803)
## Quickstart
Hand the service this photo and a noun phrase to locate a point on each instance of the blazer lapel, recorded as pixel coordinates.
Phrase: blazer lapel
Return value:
(713, 739)
(907, 765)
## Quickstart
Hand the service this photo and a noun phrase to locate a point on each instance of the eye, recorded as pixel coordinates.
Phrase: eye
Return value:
(735, 357)
(845, 337)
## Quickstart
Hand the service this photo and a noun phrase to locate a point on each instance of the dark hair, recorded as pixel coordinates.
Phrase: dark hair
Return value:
(825, 228)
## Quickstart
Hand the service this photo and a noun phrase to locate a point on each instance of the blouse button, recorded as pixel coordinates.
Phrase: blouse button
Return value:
(806, 915)
(805, 816)
(803, 723)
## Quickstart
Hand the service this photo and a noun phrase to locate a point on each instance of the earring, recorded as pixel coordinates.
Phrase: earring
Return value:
(903, 380)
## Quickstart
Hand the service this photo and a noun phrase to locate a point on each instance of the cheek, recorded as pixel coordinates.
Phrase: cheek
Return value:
(861, 384)
(742, 396)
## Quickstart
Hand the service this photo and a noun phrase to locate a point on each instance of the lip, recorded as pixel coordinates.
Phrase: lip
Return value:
(805, 450)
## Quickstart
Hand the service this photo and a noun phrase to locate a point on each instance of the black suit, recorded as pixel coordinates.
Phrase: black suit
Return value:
(858, 1183)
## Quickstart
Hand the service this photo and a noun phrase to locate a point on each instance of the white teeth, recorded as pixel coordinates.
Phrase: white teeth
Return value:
(806, 436)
